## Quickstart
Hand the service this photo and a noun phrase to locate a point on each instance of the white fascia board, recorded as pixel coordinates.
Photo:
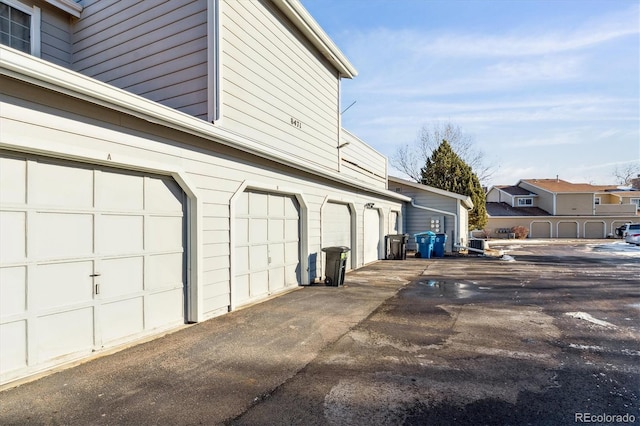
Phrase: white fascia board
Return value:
(69, 6)
(30, 69)
(303, 20)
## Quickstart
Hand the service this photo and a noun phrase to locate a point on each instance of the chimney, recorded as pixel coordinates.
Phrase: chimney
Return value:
(557, 178)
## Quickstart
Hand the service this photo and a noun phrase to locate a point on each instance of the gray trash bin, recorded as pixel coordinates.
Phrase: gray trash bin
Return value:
(396, 245)
(336, 265)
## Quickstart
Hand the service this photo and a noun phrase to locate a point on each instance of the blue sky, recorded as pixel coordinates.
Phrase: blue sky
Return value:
(545, 88)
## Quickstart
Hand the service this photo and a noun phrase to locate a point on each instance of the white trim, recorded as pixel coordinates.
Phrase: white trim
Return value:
(213, 60)
(294, 10)
(69, 6)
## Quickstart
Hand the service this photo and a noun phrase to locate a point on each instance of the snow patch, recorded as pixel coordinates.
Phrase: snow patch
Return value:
(586, 317)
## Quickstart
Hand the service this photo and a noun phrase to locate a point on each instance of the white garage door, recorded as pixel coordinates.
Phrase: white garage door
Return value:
(336, 226)
(89, 258)
(267, 245)
(371, 235)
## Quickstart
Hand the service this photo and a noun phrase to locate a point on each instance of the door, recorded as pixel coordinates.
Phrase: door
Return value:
(567, 229)
(371, 235)
(540, 230)
(336, 227)
(267, 245)
(93, 257)
(595, 230)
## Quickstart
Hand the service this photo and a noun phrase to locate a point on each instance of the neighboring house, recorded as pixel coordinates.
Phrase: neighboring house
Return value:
(436, 210)
(167, 162)
(554, 208)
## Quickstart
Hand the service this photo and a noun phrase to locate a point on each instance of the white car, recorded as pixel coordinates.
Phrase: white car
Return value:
(632, 234)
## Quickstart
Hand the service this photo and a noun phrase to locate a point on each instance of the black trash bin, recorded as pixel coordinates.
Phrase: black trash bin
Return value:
(396, 246)
(336, 265)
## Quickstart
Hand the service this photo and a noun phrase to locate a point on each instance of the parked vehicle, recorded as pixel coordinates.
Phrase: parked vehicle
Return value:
(620, 230)
(632, 233)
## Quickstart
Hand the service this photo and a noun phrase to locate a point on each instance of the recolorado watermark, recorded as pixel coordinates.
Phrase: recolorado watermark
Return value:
(604, 418)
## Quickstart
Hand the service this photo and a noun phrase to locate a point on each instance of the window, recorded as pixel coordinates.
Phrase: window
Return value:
(20, 26)
(525, 201)
(636, 201)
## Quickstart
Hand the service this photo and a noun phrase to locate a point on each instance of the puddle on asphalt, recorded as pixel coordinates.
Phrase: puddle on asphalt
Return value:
(449, 289)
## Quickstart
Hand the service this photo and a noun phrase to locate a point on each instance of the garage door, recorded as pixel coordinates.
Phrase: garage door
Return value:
(567, 230)
(267, 245)
(371, 235)
(89, 258)
(595, 230)
(336, 226)
(394, 226)
(540, 230)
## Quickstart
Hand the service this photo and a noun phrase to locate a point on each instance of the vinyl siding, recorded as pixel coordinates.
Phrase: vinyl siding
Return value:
(55, 27)
(545, 198)
(574, 204)
(361, 162)
(271, 75)
(155, 49)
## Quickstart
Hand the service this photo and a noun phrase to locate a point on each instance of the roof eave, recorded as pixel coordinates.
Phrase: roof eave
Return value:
(301, 18)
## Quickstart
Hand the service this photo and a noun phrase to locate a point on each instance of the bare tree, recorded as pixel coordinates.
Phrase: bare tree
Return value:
(411, 158)
(626, 174)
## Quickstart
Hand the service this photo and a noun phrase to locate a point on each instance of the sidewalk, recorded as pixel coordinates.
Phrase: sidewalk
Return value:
(212, 371)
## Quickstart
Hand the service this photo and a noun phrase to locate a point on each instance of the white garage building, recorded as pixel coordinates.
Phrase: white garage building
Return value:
(167, 165)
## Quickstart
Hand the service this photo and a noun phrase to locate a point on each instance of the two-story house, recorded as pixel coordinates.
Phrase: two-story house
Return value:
(554, 208)
(166, 162)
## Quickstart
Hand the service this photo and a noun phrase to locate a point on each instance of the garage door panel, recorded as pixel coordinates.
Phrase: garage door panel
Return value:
(65, 333)
(276, 205)
(121, 319)
(277, 278)
(61, 284)
(291, 253)
(121, 277)
(163, 233)
(291, 231)
(242, 260)
(13, 226)
(162, 195)
(258, 204)
(13, 290)
(13, 341)
(162, 310)
(241, 229)
(276, 230)
(120, 234)
(241, 288)
(163, 271)
(259, 283)
(276, 254)
(258, 230)
(61, 186)
(13, 181)
(119, 191)
(258, 257)
(60, 235)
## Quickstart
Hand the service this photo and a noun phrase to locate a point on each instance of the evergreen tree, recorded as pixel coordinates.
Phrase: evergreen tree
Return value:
(444, 169)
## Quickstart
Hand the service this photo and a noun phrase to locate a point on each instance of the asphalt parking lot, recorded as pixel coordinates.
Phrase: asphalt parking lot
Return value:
(547, 335)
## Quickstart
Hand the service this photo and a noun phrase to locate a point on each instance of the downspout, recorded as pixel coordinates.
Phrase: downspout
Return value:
(455, 219)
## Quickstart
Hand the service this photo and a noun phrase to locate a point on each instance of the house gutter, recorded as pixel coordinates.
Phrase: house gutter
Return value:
(455, 219)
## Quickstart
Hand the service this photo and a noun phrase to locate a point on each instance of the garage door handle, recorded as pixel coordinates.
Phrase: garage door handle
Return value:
(95, 275)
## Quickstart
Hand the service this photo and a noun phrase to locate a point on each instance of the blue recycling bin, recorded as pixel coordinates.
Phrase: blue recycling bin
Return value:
(425, 242)
(439, 244)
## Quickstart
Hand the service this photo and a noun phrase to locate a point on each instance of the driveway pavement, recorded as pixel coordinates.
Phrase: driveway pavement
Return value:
(551, 337)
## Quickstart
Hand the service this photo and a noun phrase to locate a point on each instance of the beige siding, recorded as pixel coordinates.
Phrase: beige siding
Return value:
(574, 204)
(361, 162)
(559, 227)
(275, 89)
(156, 49)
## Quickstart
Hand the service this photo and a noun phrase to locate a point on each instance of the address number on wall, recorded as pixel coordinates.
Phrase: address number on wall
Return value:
(296, 123)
